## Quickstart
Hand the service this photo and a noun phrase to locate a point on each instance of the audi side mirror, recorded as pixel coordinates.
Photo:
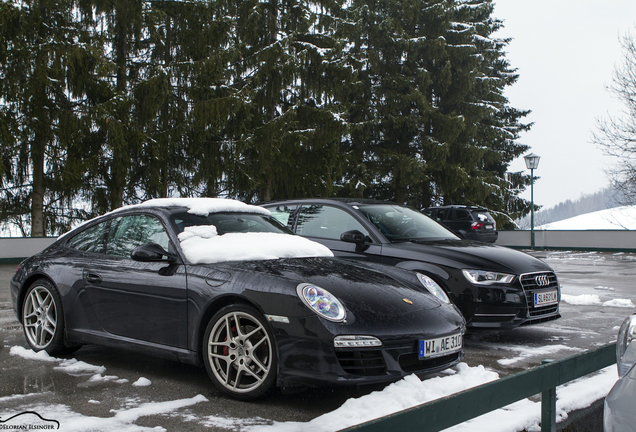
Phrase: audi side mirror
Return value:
(151, 252)
(353, 236)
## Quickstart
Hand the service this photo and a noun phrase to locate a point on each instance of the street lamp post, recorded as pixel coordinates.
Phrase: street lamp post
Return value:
(532, 163)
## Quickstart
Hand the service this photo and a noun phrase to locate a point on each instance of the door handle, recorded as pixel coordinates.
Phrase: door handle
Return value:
(93, 278)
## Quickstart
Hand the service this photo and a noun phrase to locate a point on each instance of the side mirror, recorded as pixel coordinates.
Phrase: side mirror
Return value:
(353, 236)
(151, 252)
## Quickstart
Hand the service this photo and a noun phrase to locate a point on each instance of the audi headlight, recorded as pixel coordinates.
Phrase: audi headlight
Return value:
(483, 277)
(433, 288)
(625, 349)
(322, 302)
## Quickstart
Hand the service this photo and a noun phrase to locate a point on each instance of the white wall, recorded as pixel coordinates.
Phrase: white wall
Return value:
(619, 240)
(17, 247)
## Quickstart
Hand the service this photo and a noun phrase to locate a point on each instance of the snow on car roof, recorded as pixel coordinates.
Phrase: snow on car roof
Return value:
(202, 245)
(205, 206)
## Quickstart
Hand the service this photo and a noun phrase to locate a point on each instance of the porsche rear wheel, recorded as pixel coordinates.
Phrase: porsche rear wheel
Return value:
(239, 352)
(42, 318)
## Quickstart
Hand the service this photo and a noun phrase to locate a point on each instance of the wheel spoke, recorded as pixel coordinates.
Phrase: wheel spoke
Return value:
(225, 358)
(237, 380)
(257, 344)
(41, 335)
(31, 315)
(256, 330)
(258, 363)
(219, 344)
(49, 328)
(34, 300)
(237, 322)
(228, 373)
(38, 297)
(228, 326)
(256, 377)
(46, 302)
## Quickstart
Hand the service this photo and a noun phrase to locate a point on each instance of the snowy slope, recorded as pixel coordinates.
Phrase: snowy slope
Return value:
(618, 218)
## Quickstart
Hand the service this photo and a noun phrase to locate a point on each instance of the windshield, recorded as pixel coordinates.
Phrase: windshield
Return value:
(399, 223)
(230, 223)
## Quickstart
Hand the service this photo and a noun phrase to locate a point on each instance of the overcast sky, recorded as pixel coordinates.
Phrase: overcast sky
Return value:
(565, 52)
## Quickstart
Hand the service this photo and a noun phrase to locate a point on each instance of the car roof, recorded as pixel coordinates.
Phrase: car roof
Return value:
(465, 207)
(347, 201)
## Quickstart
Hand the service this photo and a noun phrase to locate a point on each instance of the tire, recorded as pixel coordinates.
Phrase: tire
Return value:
(244, 364)
(42, 318)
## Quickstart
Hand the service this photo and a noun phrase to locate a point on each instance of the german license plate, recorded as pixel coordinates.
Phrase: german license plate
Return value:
(440, 346)
(546, 298)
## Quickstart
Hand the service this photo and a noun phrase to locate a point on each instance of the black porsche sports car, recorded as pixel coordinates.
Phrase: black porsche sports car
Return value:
(221, 283)
(493, 286)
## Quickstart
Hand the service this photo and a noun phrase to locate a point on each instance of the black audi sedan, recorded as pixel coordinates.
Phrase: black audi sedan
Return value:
(493, 286)
(222, 284)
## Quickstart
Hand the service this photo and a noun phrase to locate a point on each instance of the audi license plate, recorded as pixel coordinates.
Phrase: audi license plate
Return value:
(441, 346)
(546, 298)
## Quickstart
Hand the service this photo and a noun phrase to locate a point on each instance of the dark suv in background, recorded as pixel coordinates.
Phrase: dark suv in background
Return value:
(468, 222)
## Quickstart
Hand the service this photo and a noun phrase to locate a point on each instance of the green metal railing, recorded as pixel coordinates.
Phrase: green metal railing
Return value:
(460, 407)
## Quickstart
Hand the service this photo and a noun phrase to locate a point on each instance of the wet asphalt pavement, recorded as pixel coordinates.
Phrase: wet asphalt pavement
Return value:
(81, 398)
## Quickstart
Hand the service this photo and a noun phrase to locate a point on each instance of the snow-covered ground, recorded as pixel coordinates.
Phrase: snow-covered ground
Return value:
(406, 393)
(618, 218)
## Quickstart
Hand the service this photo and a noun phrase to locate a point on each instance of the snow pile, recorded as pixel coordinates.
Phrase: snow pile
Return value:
(142, 382)
(123, 420)
(595, 300)
(99, 378)
(406, 393)
(526, 414)
(618, 218)
(202, 245)
(410, 392)
(526, 352)
(204, 206)
(76, 368)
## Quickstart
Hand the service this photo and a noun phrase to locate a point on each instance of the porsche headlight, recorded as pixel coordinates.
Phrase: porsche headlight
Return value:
(433, 288)
(625, 346)
(322, 302)
(483, 277)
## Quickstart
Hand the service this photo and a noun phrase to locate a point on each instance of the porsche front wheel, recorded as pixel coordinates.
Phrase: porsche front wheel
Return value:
(239, 352)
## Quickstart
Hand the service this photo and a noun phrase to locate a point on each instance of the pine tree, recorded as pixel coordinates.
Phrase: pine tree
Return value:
(429, 121)
(40, 47)
(288, 74)
(487, 143)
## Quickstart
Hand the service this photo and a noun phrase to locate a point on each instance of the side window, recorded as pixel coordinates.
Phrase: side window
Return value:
(441, 215)
(462, 215)
(326, 222)
(92, 239)
(282, 214)
(128, 232)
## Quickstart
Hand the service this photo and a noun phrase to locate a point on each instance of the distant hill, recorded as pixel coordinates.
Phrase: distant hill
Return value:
(616, 218)
(588, 203)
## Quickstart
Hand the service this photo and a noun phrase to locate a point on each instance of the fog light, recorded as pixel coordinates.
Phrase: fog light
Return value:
(356, 341)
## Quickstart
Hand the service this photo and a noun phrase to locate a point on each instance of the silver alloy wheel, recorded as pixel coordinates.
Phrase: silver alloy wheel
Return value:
(40, 317)
(239, 351)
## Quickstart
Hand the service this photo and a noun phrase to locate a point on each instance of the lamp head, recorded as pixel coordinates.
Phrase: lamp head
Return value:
(532, 161)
